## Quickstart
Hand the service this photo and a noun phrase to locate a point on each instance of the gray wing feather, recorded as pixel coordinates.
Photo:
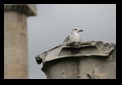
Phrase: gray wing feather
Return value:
(66, 39)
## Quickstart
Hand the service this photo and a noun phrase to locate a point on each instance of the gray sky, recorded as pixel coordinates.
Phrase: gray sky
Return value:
(55, 21)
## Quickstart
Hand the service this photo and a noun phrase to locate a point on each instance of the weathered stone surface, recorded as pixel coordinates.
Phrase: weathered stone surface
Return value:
(97, 68)
(86, 60)
(61, 69)
(15, 45)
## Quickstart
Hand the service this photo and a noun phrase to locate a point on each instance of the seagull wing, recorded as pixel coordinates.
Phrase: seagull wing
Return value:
(66, 39)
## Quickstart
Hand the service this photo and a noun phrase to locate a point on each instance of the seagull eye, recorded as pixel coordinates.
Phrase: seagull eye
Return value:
(75, 29)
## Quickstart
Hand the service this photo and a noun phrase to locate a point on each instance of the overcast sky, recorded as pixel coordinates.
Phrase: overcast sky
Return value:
(55, 21)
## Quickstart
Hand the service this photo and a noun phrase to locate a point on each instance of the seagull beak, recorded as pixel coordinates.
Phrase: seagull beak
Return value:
(80, 31)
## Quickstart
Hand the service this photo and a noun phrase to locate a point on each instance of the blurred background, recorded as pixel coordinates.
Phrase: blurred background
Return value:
(54, 22)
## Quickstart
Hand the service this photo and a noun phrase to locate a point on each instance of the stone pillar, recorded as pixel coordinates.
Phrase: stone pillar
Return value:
(15, 40)
(87, 60)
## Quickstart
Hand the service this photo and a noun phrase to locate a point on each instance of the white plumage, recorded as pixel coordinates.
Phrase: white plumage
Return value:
(74, 36)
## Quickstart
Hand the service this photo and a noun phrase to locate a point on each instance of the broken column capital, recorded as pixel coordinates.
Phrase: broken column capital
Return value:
(92, 51)
(89, 48)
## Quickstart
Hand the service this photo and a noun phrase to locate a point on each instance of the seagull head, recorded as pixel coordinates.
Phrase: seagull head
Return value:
(77, 30)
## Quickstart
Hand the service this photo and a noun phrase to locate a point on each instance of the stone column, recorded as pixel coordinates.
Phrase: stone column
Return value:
(15, 40)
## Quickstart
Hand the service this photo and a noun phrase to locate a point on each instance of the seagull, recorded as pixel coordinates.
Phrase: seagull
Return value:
(74, 36)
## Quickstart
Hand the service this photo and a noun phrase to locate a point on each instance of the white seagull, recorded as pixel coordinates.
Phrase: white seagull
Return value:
(74, 36)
